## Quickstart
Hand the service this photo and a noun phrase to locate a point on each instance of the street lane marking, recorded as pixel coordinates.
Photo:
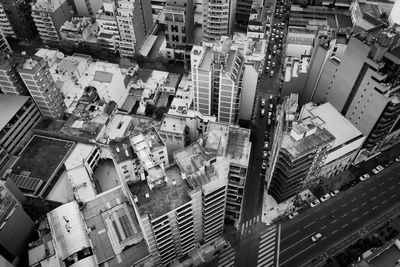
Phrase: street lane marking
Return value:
(363, 194)
(353, 209)
(393, 196)
(323, 227)
(354, 199)
(323, 216)
(390, 178)
(383, 202)
(365, 213)
(334, 232)
(332, 211)
(297, 254)
(391, 187)
(290, 235)
(344, 215)
(372, 189)
(375, 207)
(382, 183)
(307, 237)
(345, 225)
(333, 221)
(355, 219)
(309, 224)
(373, 198)
(363, 204)
(382, 193)
(343, 205)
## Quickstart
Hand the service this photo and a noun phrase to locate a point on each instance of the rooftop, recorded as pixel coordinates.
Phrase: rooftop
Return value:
(97, 213)
(173, 124)
(79, 155)
(153, 139)
(191, 158)
(9, 106)
(47, 6)
(41, 158)
(206, 60)
(173, 80)
(122, 150)
(163, 198)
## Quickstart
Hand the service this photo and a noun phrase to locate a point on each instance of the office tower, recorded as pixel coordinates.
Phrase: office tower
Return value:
(37, 78)
(15, 225)
(362, 85)
(298, 153)
(49, 16)
(218, 18)
(243, 8)
(86, 8)
(179, 25)
(217, 77)
(16, 20)
(18, 115)
(10, 81)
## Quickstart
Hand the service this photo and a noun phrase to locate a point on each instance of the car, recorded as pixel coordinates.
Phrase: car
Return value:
(269, 121)
(397, 159)
(262, 102)
(269, 62)
(266, 145)
(262, 112)
(314, 203)
(271, 106)
(273, 64)
(271, 73)
(265, 154)
(293, 214)
(264, 165)
(378, 169)
(334, 193)
(274, 52)
(364, 177)
(316, 237)
(269, 114)
(271, 97)
(325, 197)
(269, 57)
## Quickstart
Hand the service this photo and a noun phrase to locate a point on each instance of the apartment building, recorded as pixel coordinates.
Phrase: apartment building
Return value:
(4, 45)
(10, 80)
(217, 77)
(108, 34)
(37, 78)
(49, 16)
(243, 10)
(179, 26)
(18, 115)
(16, 20)
(218, 18)
(79, 30)
(86, 8)
(363, 84)
(15, 225)
(301, 154)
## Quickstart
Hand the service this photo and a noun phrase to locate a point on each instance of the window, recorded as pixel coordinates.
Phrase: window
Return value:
(175, 38)
(117, 231)
(174, 28)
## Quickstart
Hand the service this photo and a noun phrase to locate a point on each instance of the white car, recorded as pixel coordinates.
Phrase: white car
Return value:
(334, 193)
(325, 197)
(269, 121)
(314, 203)
(265, 154)
(269, 57)
(271, 106)
(293, 214)
(378, 169)
(364, 177)
(263, 102)
(316, 237)
(264, 165)
(266, 145)
(397, 159)
(262, 112)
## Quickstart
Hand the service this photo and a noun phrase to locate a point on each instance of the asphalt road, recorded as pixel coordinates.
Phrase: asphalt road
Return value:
(350, 215)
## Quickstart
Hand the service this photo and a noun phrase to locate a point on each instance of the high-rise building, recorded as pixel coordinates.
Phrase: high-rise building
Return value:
(179, 24)
(16, 20)
(49, 16)
(86, 8)
(217, 77)
(4, 46)
(18, 115)
(302, 150)
(218, 18)
(10, 80)
(363, 84)
(108, 35)
(394, 17)
(37, 78)
(243, 8)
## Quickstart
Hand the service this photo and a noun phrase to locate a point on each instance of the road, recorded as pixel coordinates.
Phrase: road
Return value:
(350, 215)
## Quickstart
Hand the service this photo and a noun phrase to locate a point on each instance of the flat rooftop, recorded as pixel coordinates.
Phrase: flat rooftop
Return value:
(191, 158)
(153, 138)
(307, 144)
(9, 106)
(173, 80)
(217, 138)
(206, 60)
(239, 145)
(41, 157)
(173, 124)
(97, 212)
(122, 150)
(163, 198)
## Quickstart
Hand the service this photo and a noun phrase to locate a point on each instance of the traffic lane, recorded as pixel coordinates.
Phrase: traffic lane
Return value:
(338, 226)
(361, 190)
(248, 252)
(342, 205)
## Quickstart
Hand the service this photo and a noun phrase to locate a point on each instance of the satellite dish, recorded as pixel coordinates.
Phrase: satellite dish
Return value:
(60, 55)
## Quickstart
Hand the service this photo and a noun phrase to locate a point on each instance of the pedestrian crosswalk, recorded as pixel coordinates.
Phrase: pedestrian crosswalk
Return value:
(227, 258)
(267, 248)
(249, 226)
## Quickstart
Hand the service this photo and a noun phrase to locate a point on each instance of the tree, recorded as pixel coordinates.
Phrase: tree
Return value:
(160, 111)
(149, 110)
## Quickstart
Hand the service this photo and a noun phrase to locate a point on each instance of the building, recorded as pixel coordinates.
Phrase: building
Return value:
(394, 16)
(257, 19)
(218, 18)
(108, 34)
(363, 86)
(4, 46)
(86, 8)
(217, 77)
(179, 26)
(37, 78)
(11, 82)
(49, 16)
(348, 139)
(19, 115)
(16, 20)
(366, 15)
(243, 10)
(39, 165)
(302, 151)
(79, 30)
(15, 225)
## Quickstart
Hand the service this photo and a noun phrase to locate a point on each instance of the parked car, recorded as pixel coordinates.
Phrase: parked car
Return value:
(271, 106)
(269, 121)
(397, 159)
(269, 57)
(293, 214)
(266, 145)
(316, 237)
(364, 177)
(262, 112)
(273, 64)
(378, 169)
(262, 102)
(314, 203)
(264, 165)
(271, 73)
(334, 193)
(325, 197)
(265, 154)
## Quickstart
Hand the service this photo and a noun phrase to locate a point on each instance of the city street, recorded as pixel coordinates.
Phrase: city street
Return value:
(351, 214)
